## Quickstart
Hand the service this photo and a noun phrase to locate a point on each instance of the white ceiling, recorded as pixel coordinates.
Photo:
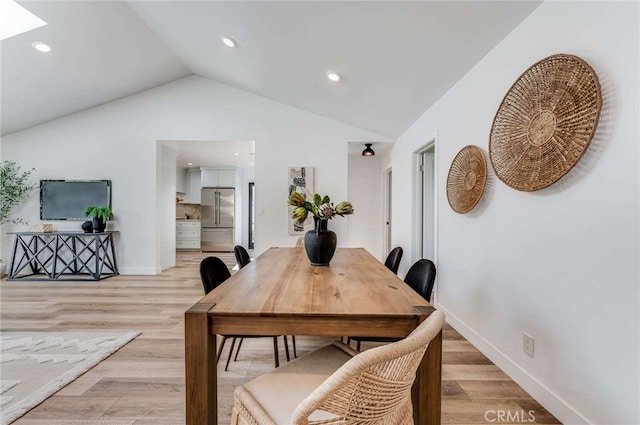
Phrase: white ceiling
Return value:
(397, 58)
(196, 153)
(101, 51)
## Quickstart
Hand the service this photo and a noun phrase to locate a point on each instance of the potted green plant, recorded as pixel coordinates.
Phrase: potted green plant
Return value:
(14, 188)
(320, 243)
(100, 216)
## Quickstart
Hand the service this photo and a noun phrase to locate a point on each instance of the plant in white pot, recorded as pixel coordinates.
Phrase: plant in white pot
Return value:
(15, 186)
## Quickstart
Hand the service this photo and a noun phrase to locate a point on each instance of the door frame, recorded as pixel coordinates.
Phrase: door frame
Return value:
(417, 203)
(251, 203)
(387, 202)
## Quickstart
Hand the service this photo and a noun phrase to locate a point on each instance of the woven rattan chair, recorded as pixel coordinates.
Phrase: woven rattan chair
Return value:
(336, 385)
(213, 272)
(393, 259)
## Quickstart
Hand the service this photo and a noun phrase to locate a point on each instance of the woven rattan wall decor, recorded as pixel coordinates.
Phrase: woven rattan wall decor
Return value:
(466, 180)
(545, 122)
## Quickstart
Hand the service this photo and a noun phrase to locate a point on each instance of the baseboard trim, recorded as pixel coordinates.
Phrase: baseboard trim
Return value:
(139, 271)
(553, 403)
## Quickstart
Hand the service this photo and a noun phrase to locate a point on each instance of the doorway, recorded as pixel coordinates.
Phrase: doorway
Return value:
(252, 214)
(387, 200)
(424, 203)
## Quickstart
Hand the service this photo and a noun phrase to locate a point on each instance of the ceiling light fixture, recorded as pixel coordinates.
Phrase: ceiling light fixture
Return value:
(367, 150)
(189, 163)
(41, 46)
(334, 76)
(229, 42)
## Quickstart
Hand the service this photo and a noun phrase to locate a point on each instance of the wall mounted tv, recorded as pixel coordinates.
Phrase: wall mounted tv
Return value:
(67, 199)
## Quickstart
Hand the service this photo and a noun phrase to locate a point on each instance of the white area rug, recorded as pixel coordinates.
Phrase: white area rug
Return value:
(34, 365)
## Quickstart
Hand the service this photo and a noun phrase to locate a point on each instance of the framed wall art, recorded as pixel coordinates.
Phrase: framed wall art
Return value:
(300, 179)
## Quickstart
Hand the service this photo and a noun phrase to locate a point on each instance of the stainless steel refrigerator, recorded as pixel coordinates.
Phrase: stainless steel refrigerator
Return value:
(217, 210)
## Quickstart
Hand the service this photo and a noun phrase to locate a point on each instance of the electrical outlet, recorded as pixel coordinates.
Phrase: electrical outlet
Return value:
(527, 344)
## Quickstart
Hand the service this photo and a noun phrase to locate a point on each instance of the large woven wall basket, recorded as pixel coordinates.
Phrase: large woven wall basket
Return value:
(466, 180)
(545, 122)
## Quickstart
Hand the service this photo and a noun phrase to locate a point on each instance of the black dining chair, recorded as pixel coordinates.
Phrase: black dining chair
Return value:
(393, 259)
(242, 256)
(420, 277)
(213, 272)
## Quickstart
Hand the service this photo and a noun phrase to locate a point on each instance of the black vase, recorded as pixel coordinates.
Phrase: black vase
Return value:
(87, 226)
(98, 225)
(320, 244)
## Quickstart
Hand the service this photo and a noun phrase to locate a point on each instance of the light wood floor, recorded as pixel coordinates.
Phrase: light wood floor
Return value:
(143, 383)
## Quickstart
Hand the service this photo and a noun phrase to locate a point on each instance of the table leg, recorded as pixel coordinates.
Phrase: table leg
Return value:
(114, 262)
(13, 268)
(74, 250)
(200, 363)
(96, 274)
(427, 389)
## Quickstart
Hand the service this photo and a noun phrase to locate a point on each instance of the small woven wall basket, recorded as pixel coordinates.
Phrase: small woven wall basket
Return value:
(545, 122)
(466, 180)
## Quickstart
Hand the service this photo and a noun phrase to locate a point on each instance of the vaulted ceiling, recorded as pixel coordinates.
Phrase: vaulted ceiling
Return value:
(397, 58)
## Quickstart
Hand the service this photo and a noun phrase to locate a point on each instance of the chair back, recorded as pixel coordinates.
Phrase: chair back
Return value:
(393, 259)
(213, 271)
(242, 256)
(421, 277)
(375, 385)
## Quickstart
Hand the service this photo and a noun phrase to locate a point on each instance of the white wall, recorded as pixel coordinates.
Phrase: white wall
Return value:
(560, 264)
(365, 193)
(241, 206)
(117, 141)
(165, 218)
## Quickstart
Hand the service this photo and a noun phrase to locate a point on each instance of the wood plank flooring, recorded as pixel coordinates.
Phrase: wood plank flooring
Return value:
(143, 383)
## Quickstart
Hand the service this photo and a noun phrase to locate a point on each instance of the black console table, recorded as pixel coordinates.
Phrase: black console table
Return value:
(63, 256)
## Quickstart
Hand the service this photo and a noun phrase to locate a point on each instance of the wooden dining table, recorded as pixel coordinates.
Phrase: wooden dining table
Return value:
(280, 293)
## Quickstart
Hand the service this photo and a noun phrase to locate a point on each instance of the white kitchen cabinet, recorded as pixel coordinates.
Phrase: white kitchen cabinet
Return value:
(188, 235)
(227, 178)
(218, 178)
(195, 179)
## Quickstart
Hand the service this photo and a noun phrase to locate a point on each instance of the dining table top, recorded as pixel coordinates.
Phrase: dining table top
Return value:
(281, 293)
(281, 281)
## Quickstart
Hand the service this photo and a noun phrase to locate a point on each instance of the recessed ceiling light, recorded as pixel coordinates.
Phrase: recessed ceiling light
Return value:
(251, 163)
(189, 163)
(228, 41)
(334, 76)
(41, 46)
(236, 154)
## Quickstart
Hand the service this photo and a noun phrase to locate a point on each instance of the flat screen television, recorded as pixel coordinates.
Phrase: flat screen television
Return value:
(67, 199)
